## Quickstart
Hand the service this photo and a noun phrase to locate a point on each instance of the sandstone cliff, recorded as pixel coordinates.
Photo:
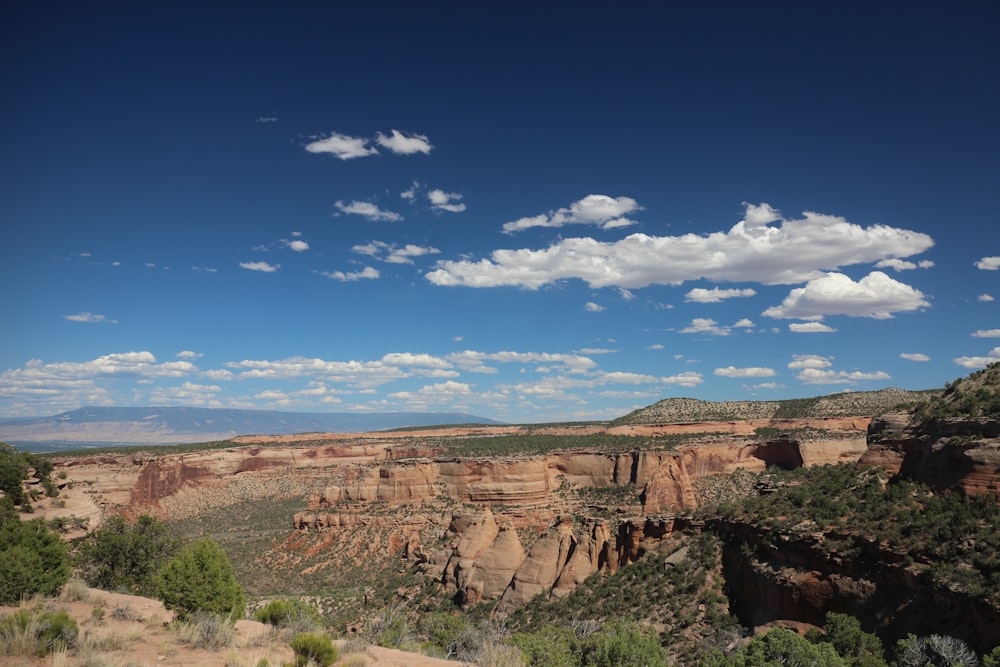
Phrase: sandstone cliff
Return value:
(955, 454)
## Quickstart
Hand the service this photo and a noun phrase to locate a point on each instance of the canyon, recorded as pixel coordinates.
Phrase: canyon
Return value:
(503, 529)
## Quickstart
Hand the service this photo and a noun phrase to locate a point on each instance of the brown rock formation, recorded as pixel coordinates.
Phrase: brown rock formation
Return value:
(958, 455)
(539, 571)
(594, 552)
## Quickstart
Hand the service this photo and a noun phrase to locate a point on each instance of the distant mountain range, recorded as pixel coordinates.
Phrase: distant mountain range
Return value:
(89, 426)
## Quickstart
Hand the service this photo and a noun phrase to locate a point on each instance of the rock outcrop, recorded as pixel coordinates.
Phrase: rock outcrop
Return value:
(958, 455)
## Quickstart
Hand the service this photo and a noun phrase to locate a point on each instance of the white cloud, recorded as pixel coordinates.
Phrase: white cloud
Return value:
(901, 265)
(402, 144)
(353, 373)
(914, 356)
(411, 193)
(592, 307)
(758, 216)
(752, 372)
(764, 385)
(686, 379)
(393, 254)
(298, 245)
(817, 376)
(625, 294)
(979, 362)
(342, 146)
(813, 361)
(263, 267)
(596, 350)
(60, 386)
(471, 360)
(367, 273)
(810, 327)
(988, 263)
(189, 354)
(601, 210)
(701, 325)
(876, 295)
(794, 252)
(446, 201)
(368, 210)
(987, 333)
(656, 346)
(745, 323)
(412, 359)
(89, 318)
(985, 298)
(716, 295)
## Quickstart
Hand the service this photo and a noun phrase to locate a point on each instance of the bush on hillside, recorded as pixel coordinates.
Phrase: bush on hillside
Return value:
(200, 578)
(125, 557)
(313, 648)
(34, 558)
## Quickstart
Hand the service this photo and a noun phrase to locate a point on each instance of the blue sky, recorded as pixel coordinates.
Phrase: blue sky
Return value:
(527, 211)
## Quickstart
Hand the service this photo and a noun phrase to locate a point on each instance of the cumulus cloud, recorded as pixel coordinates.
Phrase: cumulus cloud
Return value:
(810, 327)
(817, 376)
(757, 215)
(412, 359)
(988, 263)
(592, 307)
(704, 325)
(263, 267)
(601, 210)
(716, 295)
(89, 318)
(986, 333)
(475, 361)
(353, 373)
(800, 361)
(342, 146)
(189, 354)
(686, 379)
(796, 251)
(298, 245)
(752, 372)
(985, 298)
(914, 356)
(368, 210)
(410, 193)
(446, 201)
(973, 363)
(876, 295)
(66, 385)
(394, 254)
(367, 273)
(901, 265)
(402, 144)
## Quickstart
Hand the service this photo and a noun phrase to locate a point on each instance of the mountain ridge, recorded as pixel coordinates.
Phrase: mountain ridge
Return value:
(103, 425)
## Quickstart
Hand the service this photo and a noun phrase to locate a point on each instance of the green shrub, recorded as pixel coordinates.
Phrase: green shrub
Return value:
(27, 632)
(120, 556)
(621, 644)
(289, 613)
(34, 557)
(200, 578)
(550, 646)
(205, 630)
(315, 647)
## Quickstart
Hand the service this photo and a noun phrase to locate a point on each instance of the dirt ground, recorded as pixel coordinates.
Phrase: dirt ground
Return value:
(133, 631)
